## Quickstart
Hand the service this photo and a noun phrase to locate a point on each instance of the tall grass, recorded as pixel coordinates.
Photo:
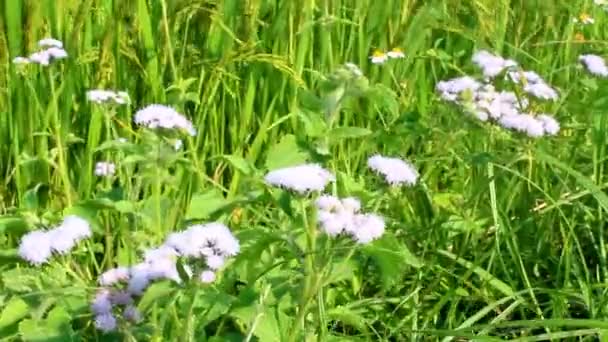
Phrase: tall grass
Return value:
(504, 238)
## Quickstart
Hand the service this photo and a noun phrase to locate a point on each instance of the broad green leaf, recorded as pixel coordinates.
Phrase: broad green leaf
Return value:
(14, 224)
(240, 164)
(156, 293)
(348, 132)
(204, 204)
(15, 310)
(392, 257)
(349, 317)
(285, 153)
(265, 323)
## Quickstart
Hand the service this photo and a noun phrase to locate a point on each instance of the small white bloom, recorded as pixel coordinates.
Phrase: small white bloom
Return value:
(395, 171)
(328, 203)
(541, 90)
(107, 96)
(56, 53)
(528, 76)
(450, 90)
(395, 53)
(160, 116)
(550, 125)
(101, 303)
(207, 277)
(105, 322)
(378, 57)
(114, 275)
(138, 283)
(523, 123)
(76, 227)
(178, 144)
(41, 57)
(584, 19)
(121, 298)
(368, 227)
(61, 241)
(131, 313)
(596, 65)
(50, 43)
(21, 60)
(490, 64)
(35, 247)
(301, 179)
(215, 262)
(105, 169)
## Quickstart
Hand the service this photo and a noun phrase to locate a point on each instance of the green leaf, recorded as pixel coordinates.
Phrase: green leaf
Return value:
(240, 164)
(156, 293)
(348, 132)
(349, 317)
(285, 153)
(55, 328)
(265, 322)
(204, 204)
(392, 257)
(15, 310)
(13, 224)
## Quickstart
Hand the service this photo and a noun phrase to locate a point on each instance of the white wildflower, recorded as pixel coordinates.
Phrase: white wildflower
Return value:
(50, 43)
(108, 96)
(584, 19)
(101, 303)
(367, 228)
(378, 57)
(395, 171)
(41, 57)
(396, 53)
(131, 313)
(450, 90)
(207, 277)
(541, 90)
(523, 123)
(160, 116)
(35, 247)
(56, 53)
(120, 298)
(114, 275)
(105, 322)
(76, 227)
(215, 262)
(594, 64)
(21, 60)
(301, 179)
(528, 76)
(490, 64)
(550, 125)
(105, 169)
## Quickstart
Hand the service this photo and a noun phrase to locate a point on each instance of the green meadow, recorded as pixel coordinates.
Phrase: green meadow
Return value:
(498, 234)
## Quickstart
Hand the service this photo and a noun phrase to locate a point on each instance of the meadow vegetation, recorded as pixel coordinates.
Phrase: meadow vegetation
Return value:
(303, 170)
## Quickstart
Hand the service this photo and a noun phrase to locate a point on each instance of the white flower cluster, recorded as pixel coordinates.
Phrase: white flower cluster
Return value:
(380, 57)
(504, 108)
(594, 64)
(159, 116)
(396, 171)
(38, 246)
(210, 244)
(342, 216)
(301, 178)
(104, 169)
(51, 49)
(102, 96)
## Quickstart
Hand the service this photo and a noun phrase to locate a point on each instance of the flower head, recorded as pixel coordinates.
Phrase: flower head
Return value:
(108, 96)
(450, 90)
(105, 169)
(595, 64)
(105, 322)
(35, 247)
(584, 19)
(301, 179)
(207, 277)
(342, 216)
(378, 57)
(541, 90)
(396, 53)
(395, 171)
(490, 64)
(50, 43)
(159, 116)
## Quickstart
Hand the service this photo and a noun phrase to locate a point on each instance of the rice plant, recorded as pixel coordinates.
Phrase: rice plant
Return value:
(264, 170)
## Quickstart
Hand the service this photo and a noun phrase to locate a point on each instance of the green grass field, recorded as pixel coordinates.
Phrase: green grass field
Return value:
(501, 238)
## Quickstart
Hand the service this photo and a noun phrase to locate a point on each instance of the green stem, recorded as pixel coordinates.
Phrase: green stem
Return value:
(63, 171)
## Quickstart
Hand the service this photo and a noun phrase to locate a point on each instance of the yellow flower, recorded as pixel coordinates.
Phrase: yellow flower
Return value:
(584, 19)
